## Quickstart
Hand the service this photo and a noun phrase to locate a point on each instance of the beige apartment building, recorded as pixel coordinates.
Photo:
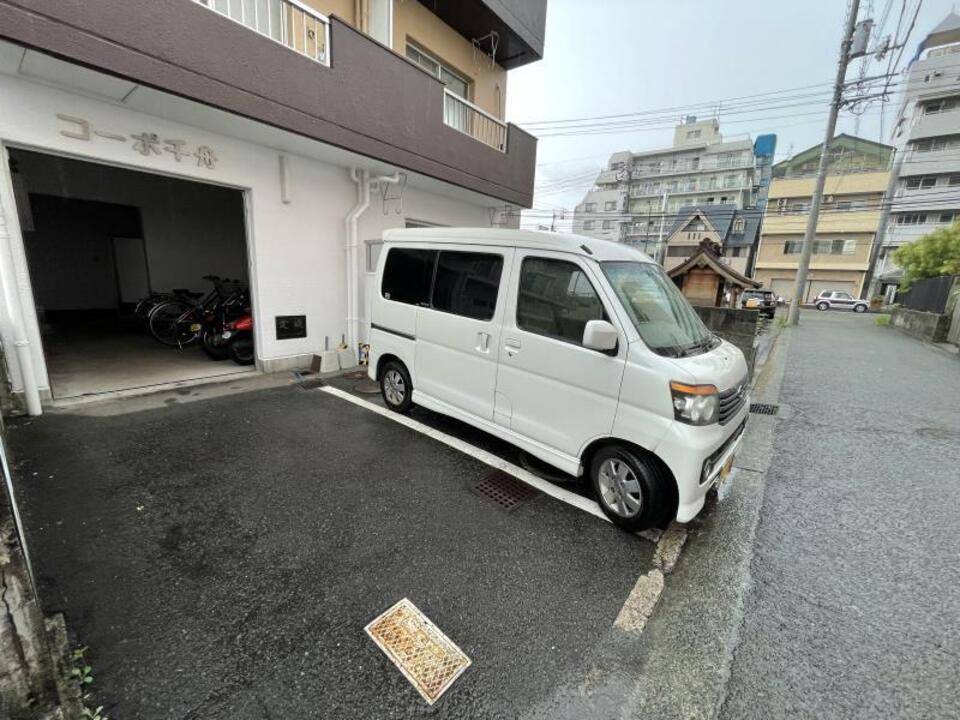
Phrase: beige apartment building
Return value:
(848, 222)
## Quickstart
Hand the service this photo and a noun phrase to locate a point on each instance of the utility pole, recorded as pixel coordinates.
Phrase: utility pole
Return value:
(803, 269)
(884, 218)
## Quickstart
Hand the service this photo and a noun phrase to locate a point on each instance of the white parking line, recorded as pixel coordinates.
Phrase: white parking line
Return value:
(547, 488)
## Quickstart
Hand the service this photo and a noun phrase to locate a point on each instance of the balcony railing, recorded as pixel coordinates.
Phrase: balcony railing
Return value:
(288, 22)
(471, 120)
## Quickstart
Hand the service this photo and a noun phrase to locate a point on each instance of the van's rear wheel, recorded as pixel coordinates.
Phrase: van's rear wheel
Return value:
(395, 386)
(630, 489)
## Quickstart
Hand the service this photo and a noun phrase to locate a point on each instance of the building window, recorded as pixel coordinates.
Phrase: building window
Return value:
(792, 247)
(588, 224)
(947, 217)
(610, 205)
(943, 105)
(953, 180)
(738, 225)
(692, 134)
(927, 182)
(680, 250)
(454, 81)
(590, 207)
(911, 219)
(607, 224)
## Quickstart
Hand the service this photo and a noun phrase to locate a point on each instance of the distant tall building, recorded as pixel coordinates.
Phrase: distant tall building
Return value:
(927, 134)
(857, 175)
(637, 197)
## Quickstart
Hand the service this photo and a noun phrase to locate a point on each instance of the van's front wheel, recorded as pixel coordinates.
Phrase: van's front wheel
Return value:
(630, 489)
(395, 386)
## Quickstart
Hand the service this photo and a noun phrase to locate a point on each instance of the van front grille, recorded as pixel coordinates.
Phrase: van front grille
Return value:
(732, 400)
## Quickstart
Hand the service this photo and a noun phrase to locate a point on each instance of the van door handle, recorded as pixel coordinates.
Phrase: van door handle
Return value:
(512, 346)
(483, 342)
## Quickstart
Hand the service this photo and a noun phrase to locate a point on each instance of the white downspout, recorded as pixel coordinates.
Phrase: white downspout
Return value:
(13, 318)
(364, 181)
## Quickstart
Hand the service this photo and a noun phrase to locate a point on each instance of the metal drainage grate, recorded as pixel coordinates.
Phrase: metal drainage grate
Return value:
(504, 490)
(425, 656)
(764, 409)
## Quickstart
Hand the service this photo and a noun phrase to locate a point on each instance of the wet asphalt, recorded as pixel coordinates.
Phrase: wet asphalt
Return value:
(854, 602)
(220, 559)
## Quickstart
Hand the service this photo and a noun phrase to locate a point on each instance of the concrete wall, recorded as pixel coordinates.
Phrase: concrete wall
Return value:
(737, 326)
(296, 248)
(926, 326)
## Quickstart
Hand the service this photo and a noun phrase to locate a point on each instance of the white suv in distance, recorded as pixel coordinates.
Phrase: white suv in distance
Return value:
(840, 301)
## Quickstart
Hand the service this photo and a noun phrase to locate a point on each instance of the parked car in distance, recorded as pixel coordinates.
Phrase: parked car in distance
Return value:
(582, 352)
(763, 300)
(840, 301)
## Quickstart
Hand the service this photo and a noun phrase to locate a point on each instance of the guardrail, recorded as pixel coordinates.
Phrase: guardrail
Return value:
(469, 119)
(288, 22)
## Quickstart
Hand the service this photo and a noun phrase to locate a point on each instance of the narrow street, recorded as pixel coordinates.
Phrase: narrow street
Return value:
(854, 605)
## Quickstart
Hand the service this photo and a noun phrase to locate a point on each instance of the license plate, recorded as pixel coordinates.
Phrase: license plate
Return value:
(195, 327)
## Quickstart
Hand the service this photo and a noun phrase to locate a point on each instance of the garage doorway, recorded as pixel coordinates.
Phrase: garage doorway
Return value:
(98, 240)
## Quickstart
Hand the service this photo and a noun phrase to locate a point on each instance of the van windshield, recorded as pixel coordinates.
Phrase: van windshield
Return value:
(660, 312)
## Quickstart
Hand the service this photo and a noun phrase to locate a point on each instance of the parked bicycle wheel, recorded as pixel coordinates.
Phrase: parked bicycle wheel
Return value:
(175, 323)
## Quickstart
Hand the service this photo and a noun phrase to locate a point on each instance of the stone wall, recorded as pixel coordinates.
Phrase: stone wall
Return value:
(926, 326)
(735, 325)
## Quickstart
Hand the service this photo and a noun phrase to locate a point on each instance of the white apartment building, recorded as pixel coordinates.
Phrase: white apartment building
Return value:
(637, 196)
(927, 140)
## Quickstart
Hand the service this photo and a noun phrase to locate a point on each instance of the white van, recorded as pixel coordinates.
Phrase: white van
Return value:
(582, 352)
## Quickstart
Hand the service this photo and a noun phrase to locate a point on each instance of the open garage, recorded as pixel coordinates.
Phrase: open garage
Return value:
(99, 240)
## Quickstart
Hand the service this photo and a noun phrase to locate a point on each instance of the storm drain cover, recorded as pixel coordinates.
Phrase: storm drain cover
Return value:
(425, 656)
(356, 375)
(764, 409)
(505, 490)
(311, 384)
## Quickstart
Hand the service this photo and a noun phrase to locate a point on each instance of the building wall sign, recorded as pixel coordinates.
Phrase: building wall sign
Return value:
(290, 327)
(144, 143)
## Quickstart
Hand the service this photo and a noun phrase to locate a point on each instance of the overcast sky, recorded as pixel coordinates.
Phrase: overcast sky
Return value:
(609, 57)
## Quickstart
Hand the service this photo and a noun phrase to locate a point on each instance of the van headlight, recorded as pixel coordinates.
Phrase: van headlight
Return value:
(695, 404)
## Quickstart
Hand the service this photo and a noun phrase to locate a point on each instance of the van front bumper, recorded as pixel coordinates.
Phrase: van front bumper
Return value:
(697, 455)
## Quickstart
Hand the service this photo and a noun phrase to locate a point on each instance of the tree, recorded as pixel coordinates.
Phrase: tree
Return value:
(931, 256)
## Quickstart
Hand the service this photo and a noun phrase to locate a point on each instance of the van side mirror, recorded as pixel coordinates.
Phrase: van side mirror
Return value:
(600, 335)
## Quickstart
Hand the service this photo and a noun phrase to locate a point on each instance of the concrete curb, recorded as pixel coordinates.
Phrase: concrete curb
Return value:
(669, 653)
(688, 645)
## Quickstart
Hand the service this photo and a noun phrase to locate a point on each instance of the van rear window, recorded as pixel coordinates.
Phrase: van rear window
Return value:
(408, 274)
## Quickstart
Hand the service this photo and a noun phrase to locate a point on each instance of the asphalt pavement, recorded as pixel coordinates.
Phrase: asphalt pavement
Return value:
(853, 608)
(221, 558)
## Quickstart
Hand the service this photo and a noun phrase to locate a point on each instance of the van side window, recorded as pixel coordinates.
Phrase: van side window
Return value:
(556, 299)
(467, 284)
(408, 275)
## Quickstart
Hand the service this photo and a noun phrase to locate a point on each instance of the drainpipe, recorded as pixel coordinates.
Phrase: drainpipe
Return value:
(363, 181)
(13, 317)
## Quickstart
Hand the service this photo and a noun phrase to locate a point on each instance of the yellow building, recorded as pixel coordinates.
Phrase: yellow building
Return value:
(465, 67)
(848, 222)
